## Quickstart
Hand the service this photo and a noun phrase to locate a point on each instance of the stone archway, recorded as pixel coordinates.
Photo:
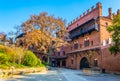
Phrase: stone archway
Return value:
(84, 63)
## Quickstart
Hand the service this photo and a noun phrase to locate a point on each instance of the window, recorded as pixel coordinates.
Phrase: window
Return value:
(80, 45)
(103, 43)
(86, 43)
(95, 62)
(63, 52)
(107, 41)
(91, 43)
(71, 61)
(106, 23)
(76, 46)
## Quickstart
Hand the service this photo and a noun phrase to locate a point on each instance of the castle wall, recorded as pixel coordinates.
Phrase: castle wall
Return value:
(95, 12)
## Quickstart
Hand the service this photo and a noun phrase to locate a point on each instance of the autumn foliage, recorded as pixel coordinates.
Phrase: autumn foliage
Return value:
(43, 31)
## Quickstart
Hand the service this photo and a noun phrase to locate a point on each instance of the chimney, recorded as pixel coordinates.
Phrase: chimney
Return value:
(110, 13)
(118, 11)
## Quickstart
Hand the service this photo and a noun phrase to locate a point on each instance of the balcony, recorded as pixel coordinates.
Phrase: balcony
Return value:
(94, 27)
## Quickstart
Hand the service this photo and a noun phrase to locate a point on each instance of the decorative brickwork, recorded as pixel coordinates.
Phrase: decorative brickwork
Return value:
(90, 41)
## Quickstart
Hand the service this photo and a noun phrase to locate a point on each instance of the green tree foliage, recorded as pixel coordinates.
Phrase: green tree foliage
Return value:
(30, 59)
(4, 59)
(114, 29)
(17, 56)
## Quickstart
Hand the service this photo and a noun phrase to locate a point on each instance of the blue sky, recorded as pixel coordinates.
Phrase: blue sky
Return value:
(14, 12)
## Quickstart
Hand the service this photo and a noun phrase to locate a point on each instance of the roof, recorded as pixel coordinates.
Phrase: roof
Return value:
(21, 35)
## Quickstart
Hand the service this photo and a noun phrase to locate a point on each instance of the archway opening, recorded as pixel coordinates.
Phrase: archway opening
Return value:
(84, 63)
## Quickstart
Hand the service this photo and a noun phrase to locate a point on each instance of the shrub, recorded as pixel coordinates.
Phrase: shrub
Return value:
(38, 62)
(30, 59)
(18, 55)
(2, 49)
(7, 51)
(4, 59)
(46, 64)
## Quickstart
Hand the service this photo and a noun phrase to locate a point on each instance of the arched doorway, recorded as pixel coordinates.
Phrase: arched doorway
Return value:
(84, 63)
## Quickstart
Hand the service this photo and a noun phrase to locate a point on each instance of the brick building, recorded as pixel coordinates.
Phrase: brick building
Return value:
(90, 42)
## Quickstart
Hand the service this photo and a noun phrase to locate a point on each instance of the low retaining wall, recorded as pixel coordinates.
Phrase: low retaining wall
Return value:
(88, 71)
(11, 72)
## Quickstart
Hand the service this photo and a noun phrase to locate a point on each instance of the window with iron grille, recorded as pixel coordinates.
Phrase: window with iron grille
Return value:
(76, 46)
(86, 43)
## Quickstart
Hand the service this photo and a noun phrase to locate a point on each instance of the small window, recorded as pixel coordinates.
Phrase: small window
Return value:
(95, 62)
(106, 23)
(91, 43)
(107, 41)
(76, 46)
(63, 52)
(71, 61)
(80, 45)
(103, 43)
(86, 43)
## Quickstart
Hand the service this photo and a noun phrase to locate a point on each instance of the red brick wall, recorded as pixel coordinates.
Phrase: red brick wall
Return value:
(77, 59)
(105, 59)
(104, 34)
(97, 11)
(110, 62)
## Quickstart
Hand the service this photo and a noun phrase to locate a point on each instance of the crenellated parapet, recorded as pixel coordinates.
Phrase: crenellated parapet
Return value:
(98, 5)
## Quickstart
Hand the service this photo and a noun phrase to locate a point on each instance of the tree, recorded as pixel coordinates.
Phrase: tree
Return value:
(44, 32)
(12, 34)
(2, 36)
(114, 29)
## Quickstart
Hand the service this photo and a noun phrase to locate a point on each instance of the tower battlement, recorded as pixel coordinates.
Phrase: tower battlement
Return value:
(98, 5)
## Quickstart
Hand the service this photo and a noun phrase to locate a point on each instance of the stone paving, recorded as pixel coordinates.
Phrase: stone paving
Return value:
(77, 75)
(60, 74)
